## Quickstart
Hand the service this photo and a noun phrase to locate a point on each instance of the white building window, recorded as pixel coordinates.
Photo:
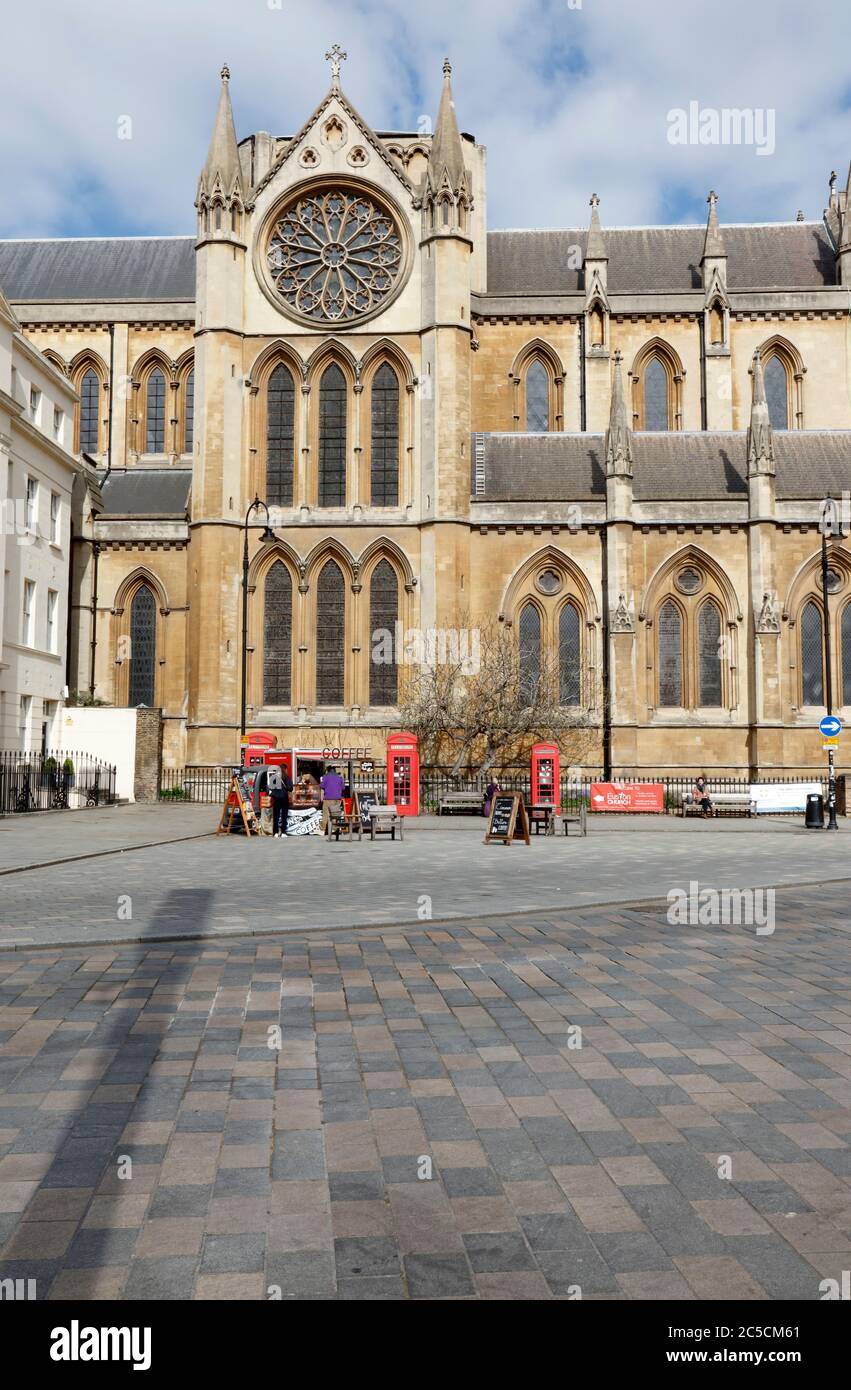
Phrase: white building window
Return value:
(48, 724)
(58, 417)
(26, 718)
(55, 517)
(28, 613)
(35, 401)
(52, 633)
(32, 504)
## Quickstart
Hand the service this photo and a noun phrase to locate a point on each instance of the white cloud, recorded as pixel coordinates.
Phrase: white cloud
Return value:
(553, 135)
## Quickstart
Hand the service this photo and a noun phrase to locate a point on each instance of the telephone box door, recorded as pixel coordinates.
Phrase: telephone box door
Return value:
(545, 774)
(403, 774)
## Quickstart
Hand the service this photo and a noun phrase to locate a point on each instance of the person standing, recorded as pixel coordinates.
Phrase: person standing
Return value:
(333, 787)
(490, 792)
(279, 786)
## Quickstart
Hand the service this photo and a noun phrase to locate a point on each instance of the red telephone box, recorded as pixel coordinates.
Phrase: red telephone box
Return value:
(545, 774)
(403, 774)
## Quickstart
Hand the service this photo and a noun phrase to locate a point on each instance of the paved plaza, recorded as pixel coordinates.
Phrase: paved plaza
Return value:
(425, 1124)
(158, 872)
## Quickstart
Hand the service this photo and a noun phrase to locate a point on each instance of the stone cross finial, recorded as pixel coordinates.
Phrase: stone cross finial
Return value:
(713, 197)
(833, 180)
(335, 57)
(225, 73)
(447, 68)
(594, 200)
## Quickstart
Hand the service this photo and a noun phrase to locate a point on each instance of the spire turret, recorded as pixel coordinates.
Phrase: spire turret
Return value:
(595, 248)
(760, 436)
(713, 242)
(618, 434)
(220, 184)
(446, 177)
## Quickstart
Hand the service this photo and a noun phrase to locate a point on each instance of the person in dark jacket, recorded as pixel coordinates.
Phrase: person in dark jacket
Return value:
(279, 787)
(490, 792)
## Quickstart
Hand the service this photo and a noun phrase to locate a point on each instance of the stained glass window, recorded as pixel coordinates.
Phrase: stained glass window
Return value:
(335, 255)
(812, 658)
(384, 451)
(777, 393)
(383, 614)
(280, 438)
(332, 438)
(330, 635)
(709, 655)
(846, 654)
(537, 398)
(277, 635)
(155, 423)
(189, 413)
(655, 396)
(89, 412)
(568, 655)
(143, 637)
(530, 653)
(670, 655)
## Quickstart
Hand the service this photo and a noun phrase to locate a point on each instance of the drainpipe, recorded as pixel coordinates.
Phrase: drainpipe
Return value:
(607, 694)
(94, 617)
(582, 406)
(111, 396)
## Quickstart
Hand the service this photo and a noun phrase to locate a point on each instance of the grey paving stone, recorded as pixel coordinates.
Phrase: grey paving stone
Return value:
(496, 1253)
(438, 1276)
(367, 1256)
(171, 1278)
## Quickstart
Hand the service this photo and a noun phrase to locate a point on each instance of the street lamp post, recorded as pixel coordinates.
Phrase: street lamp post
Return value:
(267, 536)
(827, 526)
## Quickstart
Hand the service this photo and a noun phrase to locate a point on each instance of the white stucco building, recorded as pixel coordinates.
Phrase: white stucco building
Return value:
(37, 470)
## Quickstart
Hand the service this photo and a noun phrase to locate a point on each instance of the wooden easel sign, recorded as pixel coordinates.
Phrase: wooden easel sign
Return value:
(508, 820)
(237, 812)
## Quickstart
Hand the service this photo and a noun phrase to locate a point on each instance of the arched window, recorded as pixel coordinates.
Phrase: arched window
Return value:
(812, 656)
(155, 413)
(670, 656)
(277, 636)
(383, 615)
(189, 413)
(709, 655)
(143, 640)
(777, 393)
(89, 412)
(280, 437)
(845, 639)
(530, 653)
(384, 448)
(332, 438)
(656, 412)
(537, 397)
(569, 655)
(330, 635)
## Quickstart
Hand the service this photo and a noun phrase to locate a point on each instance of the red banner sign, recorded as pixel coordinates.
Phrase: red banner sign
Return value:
(627, 796)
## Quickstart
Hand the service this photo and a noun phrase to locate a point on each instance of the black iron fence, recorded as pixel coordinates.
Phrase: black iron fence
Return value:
(53, 781)
(210, 785)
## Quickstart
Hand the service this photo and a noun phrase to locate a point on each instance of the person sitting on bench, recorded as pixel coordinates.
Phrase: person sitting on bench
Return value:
(700, 795)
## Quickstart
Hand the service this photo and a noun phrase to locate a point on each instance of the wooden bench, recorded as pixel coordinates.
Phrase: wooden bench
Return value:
(460, 801)
(742, 801)
(384, 820)
(579, 817)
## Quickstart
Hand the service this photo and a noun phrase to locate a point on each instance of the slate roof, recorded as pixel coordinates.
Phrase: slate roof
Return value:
(785, 255)
(87, 269)
(148, 492)
(705, 466)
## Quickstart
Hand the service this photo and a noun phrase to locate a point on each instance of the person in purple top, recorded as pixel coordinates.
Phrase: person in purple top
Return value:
(332, 786)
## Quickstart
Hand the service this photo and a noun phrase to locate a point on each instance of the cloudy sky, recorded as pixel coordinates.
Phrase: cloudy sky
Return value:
(570, 97)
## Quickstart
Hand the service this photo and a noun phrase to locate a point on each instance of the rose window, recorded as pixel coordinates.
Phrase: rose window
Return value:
(335, 255)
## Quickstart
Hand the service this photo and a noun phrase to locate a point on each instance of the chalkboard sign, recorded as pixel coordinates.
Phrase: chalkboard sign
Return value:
(508, 819)
(238, 813)
(365, 800)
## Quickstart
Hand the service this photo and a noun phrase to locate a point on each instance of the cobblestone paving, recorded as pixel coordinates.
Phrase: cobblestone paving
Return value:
(553, 1166)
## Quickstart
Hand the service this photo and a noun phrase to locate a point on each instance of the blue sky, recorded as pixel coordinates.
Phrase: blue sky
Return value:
(569, 96)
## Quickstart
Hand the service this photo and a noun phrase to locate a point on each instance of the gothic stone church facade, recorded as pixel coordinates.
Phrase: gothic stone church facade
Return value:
(616, 441)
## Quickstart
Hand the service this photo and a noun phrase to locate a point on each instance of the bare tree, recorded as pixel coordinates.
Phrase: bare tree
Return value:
(489, 712)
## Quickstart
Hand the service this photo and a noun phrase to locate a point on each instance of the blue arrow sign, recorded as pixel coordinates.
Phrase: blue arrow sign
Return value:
(830, 726)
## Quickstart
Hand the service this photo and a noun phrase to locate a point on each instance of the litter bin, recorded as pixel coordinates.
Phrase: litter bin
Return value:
(814, 819)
